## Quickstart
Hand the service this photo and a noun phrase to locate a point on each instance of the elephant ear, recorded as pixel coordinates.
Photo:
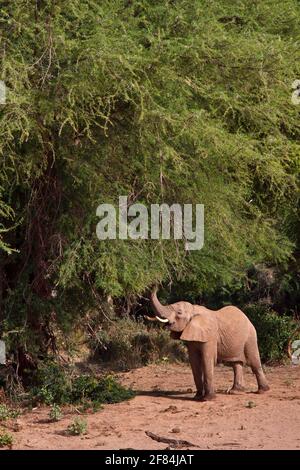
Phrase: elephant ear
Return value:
(202, 327)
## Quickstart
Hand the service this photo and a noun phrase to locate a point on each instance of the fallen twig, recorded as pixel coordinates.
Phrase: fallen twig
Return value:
(172, 442)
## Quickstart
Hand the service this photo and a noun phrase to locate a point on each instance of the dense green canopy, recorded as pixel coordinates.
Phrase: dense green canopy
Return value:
(184, 101)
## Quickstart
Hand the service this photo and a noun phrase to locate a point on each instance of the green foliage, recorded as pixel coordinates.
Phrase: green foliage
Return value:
(78, 427)
(273, 331)
(55, 413)
(56, 385)
(105, 390)
(52, 384)
(126, 344)
(6, 439)
(8, 413)
(183, 101)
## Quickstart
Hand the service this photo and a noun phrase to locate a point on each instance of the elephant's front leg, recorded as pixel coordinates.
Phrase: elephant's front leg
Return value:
(196, 365)
(208, 364)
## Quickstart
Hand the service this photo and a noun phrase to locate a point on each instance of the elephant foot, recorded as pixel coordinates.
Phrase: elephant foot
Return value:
(198, 396)
(263, 389)
(236, 390)
(209, 397)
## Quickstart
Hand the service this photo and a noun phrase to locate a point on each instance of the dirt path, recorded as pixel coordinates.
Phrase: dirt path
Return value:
(164, 406)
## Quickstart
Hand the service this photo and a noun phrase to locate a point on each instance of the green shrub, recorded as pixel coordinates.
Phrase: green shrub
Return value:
(6, 440)
(55, 413)
(83, 388)
(56, 385)
(128, 343)
(78, 427)
(273, 331)
(7, 413)
(51, 383)
(105, 390)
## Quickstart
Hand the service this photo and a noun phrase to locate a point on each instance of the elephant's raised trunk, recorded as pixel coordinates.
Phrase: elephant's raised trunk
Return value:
(162, 312)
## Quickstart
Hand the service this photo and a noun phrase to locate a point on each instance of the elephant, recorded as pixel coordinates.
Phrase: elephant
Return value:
(213, 336)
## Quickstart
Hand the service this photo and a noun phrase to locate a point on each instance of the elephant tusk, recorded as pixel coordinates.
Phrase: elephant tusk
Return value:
(163, 320)
(149, 318)
(156, 318)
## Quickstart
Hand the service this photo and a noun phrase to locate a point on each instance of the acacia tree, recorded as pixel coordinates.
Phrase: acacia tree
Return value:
(165, 101)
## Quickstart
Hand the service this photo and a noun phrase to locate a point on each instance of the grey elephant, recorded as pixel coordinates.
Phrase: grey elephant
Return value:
(224, 335)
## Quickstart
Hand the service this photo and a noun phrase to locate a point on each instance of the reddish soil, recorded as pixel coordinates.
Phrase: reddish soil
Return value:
(164, 406)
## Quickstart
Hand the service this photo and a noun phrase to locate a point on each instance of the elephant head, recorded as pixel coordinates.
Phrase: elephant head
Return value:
(185, 321)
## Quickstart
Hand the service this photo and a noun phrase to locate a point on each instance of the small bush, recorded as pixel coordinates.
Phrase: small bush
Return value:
(56, 385)
(7, 413)
(51, 384)
(78, 427)
(105, 390)
(273, 331)
(55, 413)
(128, 343)
(6, 440)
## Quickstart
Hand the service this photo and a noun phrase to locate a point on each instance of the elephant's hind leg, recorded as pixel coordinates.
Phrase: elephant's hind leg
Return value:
(260, 377)
(238, 382)
(253, 359)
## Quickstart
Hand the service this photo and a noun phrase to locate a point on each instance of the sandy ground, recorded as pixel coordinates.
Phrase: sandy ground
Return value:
(164, 406)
